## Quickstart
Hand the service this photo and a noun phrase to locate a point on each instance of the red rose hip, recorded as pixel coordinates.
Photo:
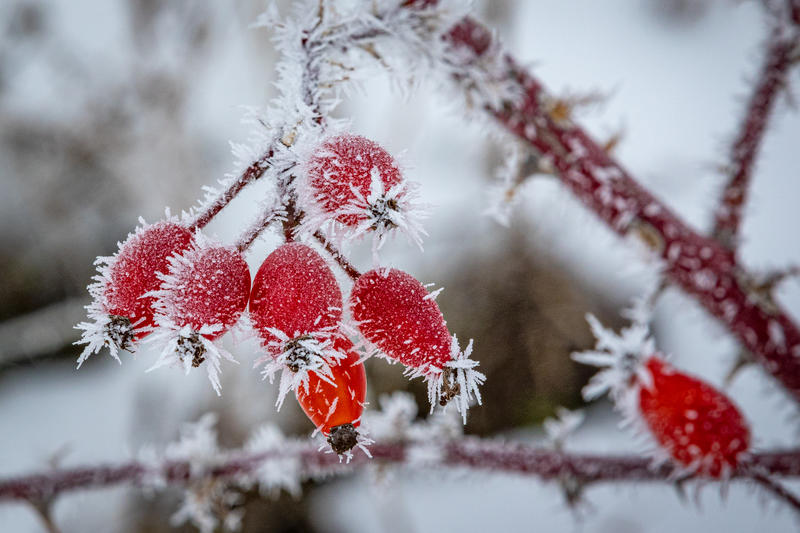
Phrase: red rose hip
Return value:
(335, 404)
(121, 311)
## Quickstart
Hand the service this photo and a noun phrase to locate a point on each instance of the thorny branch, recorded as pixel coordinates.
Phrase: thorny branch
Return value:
(470, 453)
(780, 56)
(700, 265)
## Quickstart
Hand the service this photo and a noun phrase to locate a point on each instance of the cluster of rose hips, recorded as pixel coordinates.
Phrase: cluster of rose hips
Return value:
(184, 291)
(187, 291)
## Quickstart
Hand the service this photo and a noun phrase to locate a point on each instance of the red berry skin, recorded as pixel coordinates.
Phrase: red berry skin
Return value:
(692, 421)
(396, 313)
(213, 289)
(344, 163)
(296, 292)
(134, 272)
(349, 392)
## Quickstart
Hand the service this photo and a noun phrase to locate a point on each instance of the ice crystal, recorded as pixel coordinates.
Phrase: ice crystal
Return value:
(279, 468)
(294, 357)
(560, 428)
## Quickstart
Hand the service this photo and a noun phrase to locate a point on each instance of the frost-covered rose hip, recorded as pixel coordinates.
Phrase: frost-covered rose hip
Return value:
(354, 182)
(697, 425)
(694, 424)
(202, 296)
(342, 172)
(295, 307)
(207, 286)
(395, 312)
(120, 311)
(295, 293)
(335, 404)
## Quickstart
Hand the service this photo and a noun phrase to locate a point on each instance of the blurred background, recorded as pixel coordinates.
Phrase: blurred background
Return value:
(114, 109)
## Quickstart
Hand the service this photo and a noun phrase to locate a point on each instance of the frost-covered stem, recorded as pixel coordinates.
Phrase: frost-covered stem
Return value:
(250, 174)
(771, 80)
(267, 217)
(698, 264)
(337, 256)
(471, 453)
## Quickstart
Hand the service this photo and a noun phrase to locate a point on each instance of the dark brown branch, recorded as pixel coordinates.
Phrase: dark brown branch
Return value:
(778, 490)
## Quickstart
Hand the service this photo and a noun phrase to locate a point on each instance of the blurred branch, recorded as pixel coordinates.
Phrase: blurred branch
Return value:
(771, 80)
(40, 333)
(471, 453)
(698, 264)
(778, 490)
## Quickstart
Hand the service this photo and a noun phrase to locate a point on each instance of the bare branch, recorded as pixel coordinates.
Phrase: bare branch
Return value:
(770, 82)
(471, 453)
(700, 265)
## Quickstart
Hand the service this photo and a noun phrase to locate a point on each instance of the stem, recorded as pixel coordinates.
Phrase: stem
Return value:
(250, 174)
(471, 453)
(337, 256)
(771, 80)
(700, 265)
(251, 234)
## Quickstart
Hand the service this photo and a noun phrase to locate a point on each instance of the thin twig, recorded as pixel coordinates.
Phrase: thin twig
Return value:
(44, 512)
(250, 174)
(778, 490)
(771, 80)
(337, 256)
(267, 217)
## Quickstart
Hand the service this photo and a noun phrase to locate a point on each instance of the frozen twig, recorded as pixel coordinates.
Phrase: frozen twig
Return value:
(337, 256)
(771, 79)
(778, 490)
(471, 453)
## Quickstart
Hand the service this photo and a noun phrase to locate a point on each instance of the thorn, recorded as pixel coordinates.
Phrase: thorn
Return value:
(743, 359)
(572, 489)
(562, 108)
(613, 141)
(680, 490)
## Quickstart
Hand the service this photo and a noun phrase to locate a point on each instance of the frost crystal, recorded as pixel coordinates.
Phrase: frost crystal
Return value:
(563, 426)
(294, 357)
(280, 469)
(458, 381)
(619, 356)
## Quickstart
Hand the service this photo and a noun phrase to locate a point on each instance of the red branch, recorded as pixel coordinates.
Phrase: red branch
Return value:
(250, 174)
(700, 265)
(771, 79)
(337, 256)
(472, 453)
